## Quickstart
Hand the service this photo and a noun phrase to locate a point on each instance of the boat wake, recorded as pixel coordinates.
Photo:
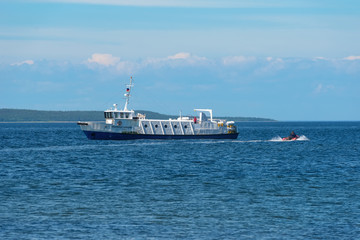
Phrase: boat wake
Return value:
(276, 139)
(303, 138)
(279, 139)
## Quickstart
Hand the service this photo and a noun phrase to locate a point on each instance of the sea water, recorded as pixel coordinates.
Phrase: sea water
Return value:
(57, 184)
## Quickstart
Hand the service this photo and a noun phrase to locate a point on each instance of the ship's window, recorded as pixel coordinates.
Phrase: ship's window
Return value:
(185, 126)
(126, 115)
(121, 115)
(145, 126)
(117, 115)
(156, 126)
(111, 115)
(105, 115)
(165, 126)
(175, 126)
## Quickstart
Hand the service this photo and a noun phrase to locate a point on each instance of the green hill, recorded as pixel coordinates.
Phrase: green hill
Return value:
(23, 115)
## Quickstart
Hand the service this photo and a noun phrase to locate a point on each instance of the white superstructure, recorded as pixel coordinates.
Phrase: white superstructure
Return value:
(125, 124)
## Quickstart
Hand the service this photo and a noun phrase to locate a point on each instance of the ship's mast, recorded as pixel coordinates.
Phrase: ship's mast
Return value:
(127, 94)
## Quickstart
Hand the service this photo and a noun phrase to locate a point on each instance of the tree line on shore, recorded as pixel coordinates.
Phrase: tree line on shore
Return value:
(24, 115)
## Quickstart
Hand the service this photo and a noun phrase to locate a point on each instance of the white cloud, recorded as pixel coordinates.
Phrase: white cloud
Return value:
(108, 60)
(277, 60)
(188, 57)
(320, 58)
(234, 60)
(28, 62)
(318, 88)
(127, 67)
(351, 58)
(180, 58)
(322, 89)
(103, 59)
(181, 55)
(272, 65)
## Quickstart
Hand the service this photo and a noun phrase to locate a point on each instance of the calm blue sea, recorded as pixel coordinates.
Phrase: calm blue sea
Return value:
(57, 184)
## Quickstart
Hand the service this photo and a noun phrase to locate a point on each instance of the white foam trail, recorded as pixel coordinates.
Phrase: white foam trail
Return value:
(247, 141)
(276, 139)
(302, 138)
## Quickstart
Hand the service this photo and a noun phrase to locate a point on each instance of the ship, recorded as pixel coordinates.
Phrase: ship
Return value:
(125, 124)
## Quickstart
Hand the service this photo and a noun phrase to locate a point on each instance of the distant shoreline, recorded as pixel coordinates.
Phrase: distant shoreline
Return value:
(41, 122)
(39, 116)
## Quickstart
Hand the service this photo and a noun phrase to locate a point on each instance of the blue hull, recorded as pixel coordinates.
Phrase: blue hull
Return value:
(119, 136)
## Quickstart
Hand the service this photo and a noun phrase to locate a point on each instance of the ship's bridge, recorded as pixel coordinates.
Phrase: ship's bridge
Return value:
(112, 115)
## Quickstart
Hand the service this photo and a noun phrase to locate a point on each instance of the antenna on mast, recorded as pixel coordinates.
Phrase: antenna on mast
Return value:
(127, 94)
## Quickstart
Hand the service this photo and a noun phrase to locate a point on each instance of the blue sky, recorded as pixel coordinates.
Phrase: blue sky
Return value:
(287, 60)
